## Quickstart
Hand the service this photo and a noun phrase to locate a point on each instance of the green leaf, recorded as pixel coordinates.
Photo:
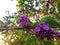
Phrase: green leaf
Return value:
(58, 5)
(43, 42)
(48, 43)
(50, 21)
(1, 24)
(29, 40)
(34, 24)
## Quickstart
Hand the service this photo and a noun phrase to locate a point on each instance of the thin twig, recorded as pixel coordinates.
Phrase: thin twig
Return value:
(10, 28)
(18, 28)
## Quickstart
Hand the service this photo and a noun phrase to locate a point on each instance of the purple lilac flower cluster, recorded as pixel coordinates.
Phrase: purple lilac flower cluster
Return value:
(4, 26)
(47, 4)
(23, 21)
(57, 34)
(44, 31)
(22, 10)
(50, 1)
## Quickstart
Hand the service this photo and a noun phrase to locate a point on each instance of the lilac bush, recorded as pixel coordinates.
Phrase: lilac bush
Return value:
(44, 29)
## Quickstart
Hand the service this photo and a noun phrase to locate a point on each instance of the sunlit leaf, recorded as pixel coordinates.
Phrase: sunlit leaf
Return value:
(50, 21)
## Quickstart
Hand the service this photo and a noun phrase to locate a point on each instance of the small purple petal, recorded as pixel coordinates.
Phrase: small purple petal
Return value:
(45, 26)
(37, 29)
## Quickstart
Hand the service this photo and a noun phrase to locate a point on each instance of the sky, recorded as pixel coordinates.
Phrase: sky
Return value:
(7, 5)
(4, 6)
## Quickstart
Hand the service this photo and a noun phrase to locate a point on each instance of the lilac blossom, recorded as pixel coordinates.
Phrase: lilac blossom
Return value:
(44, 31)
(57, 34)
(50, 1)
(4, 26)
(23, 21)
